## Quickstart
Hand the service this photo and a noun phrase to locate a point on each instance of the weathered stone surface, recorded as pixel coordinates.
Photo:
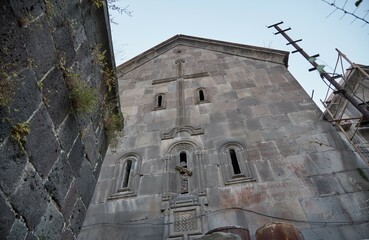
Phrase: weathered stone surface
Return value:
(89, 141)
(288, 165)
(326, 185)
(59, 180)
(76, 156)
(6, 218)
(77, 216)
(12, 163)
(25, 101)
(39, 40)
(18, 230)
(86, 182)
(40, 136)
(51, 223)
(40, 46)
(67, 235)
(68, 133)
(56, 97)
(70, 200)
(30, 198)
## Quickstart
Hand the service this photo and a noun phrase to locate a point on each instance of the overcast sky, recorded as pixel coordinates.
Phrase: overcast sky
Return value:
(245, 22)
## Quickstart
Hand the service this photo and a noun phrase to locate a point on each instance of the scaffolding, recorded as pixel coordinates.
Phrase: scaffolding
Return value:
(347, 100)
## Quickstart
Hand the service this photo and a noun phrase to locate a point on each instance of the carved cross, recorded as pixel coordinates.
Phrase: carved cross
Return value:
(181, 113)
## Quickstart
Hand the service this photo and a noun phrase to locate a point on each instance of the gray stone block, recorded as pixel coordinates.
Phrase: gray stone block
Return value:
(356, 205)
(276, 121)
(89, 141)
(67, 133)
(150, 185)
(67, 235)
(326, 185)
(253, 124)
(77, 217)
(18, 230)
(6, 218)
(40, 46)
(76, 157)
(41, 135)
(352, 181)
(86, 182)
(357, 231)
(25, 101)
(12, 162)
(51, 223)
(268, 151)
(326, 233)
(264, 171)
(249, 101)
(325, 210)
(56, 97)
(59, 180)
(69, 200)
(30, 198)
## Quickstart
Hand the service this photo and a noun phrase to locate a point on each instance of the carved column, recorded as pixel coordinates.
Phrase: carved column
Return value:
(201, 179)
(165, 195)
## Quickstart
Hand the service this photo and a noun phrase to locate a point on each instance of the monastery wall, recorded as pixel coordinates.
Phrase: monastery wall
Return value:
(293, 167)
(50, 156)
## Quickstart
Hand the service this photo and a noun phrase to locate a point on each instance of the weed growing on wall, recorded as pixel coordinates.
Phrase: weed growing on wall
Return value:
(84, 98)
(97, 3)
(113, 123)
(109, 75)
(18, 134)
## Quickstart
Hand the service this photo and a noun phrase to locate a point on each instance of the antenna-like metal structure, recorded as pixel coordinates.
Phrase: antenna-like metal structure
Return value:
(339, 89)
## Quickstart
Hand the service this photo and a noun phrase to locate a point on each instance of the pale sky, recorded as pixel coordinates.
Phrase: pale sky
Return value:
(245, 22)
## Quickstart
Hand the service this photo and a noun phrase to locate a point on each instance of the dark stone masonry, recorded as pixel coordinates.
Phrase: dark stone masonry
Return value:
(48, 174)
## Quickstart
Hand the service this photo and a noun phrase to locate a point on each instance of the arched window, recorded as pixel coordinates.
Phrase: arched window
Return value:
(126, 174)
(183, 159)
(235, 165)
(160, 99)
(201, 95)
(159, 102)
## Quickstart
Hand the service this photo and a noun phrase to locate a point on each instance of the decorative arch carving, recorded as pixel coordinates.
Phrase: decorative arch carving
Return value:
(191, 130)
(235, 167)
(182, 145)
(127, 176)
(177, 175)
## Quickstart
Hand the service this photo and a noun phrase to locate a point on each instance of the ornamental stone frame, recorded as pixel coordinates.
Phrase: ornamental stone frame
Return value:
(123, 185)
(234, 152)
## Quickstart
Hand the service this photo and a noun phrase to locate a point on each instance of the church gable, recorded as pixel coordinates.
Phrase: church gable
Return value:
(251, 52)
(214, 141)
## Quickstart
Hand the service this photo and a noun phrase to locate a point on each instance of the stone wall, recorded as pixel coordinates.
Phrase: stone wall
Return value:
(50, 156)
(293, 166)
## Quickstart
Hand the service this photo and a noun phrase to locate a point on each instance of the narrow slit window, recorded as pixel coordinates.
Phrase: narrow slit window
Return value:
(235, 165)
(127, 172)
(201, 95)
(183, 159)
(160, 101)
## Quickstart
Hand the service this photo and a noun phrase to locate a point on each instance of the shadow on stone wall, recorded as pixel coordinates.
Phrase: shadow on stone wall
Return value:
(50, 151)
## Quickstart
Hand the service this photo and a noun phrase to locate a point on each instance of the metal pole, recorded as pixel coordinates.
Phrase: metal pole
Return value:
(353, 65)
(340, 90)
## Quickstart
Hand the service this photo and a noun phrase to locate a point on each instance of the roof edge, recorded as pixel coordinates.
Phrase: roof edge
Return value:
(248, 51)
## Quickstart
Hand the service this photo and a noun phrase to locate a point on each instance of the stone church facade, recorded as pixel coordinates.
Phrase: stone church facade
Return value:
(220, 137)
